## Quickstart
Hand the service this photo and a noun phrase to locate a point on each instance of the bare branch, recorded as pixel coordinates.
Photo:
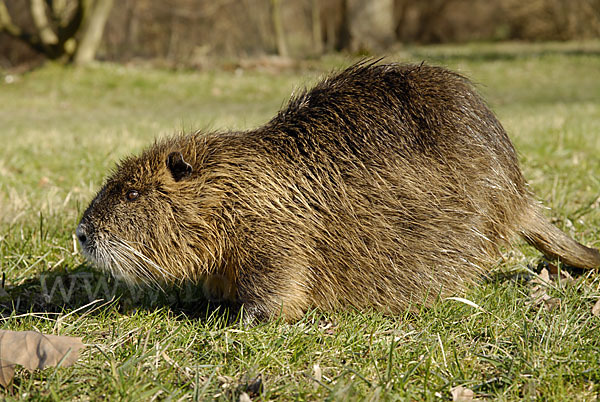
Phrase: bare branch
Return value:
(317, 35)
(278, 28)
(58, 7)
(6, 24)
(40, 20)
(96, 17)
(68, 28)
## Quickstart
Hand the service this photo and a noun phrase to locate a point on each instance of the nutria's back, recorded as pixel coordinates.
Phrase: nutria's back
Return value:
(382, 187)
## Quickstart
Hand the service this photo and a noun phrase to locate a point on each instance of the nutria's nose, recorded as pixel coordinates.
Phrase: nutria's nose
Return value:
(81, 233)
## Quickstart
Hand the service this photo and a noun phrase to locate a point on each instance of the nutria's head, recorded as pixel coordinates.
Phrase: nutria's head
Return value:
(145, 224)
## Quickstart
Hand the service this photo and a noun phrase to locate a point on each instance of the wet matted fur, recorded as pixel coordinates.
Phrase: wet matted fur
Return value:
(382, 187)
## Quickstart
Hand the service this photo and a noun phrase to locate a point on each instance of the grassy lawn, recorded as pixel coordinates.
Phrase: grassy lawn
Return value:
(62, 130)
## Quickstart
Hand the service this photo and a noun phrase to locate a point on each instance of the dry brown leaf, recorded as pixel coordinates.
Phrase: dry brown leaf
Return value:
(543, 278)
(7, 372)
(34, 350)
(596, 309)
(462, 394)
(541, 281)
(254, 387)
(552, 303)
(226, 381)
(248, 388)
(562, 275)
(317, 375)
(538, 292)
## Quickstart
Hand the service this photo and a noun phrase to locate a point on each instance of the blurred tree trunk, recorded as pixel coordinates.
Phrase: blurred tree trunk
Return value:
(400, 13)
(344, 35)
(95, 17)
(40, 20)
(278, 27)
(65, 30)
(430, 14)
(317, 35)
(371, 24)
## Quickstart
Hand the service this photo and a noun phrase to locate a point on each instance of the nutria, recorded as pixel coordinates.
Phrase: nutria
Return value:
(384, 187)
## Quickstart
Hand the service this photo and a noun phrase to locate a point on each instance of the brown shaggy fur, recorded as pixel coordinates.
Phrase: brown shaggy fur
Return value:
(382, 187)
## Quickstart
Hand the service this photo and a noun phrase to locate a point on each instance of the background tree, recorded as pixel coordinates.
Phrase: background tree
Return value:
(278, 28)
(65, 30)
(315, 19)
(195, 33)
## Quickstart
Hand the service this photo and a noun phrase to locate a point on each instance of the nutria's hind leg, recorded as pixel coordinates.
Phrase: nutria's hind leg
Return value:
(261, 308)
(269, 293)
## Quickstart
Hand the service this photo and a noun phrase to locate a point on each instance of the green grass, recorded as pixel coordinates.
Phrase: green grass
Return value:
(61, 131)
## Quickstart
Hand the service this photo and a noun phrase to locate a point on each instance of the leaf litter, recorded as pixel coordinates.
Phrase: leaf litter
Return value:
(34, 350)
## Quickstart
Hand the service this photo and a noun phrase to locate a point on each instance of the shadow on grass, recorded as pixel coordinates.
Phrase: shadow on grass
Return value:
(525, 277)
(83, 289)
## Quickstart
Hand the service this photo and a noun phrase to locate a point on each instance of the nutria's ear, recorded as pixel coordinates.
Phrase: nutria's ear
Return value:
(179, 168)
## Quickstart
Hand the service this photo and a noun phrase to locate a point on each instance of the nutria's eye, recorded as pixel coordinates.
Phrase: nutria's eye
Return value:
(132, 195)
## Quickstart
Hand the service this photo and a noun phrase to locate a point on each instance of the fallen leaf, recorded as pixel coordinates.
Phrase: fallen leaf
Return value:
(225, 381)
(254, 387)
(543, 278)
(7, 372)
(44, 181)
(248, 387)
(461, 394)
(552, 303)
(541, 281)
(596, 309)
(317, 375)
(34, 350)
(561, 275)
(538, 294)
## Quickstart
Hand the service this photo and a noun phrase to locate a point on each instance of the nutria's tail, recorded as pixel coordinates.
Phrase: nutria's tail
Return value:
(555, 244)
